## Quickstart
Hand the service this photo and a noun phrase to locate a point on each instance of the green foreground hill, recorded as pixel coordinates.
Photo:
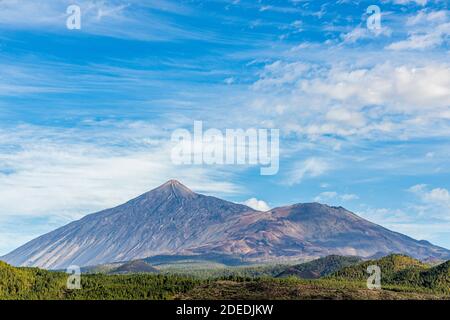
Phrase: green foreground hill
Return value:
(320, 267)
(401, 270)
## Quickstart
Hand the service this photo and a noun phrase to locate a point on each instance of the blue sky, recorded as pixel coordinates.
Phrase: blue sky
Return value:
(86, 115)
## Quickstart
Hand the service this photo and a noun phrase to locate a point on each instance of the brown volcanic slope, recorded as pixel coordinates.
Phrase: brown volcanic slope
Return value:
(314, 230)
(173, 220)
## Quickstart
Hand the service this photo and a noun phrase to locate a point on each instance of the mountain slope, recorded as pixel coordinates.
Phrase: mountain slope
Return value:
(312, 230)
(319, 268)
(168, 219)
(173, 220)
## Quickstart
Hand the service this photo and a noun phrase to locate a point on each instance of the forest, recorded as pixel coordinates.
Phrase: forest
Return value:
(402, 278)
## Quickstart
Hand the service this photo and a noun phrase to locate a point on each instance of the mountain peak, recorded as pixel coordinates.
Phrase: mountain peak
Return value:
(175, 187)
(173, 182)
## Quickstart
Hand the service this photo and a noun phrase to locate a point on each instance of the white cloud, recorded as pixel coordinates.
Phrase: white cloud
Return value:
(230, 80)
(427, 29)
(325, 196)
(388, 99)
(106, 18)
(423, 40)
(360, 33)
(408, 221)
(332, 195)
(72, 172)
(426, 17)
(439, 194)
(436, 196)
(342, 115)
(349, 197)
(311, 167)
(385, 216)
(403, 88)
(279, 9)
(429, 211)
(257, 204)
(280, 73)
(436, 233)
(404, 2)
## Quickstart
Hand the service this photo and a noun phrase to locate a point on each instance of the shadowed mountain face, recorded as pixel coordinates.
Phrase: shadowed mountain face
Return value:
(173, 220)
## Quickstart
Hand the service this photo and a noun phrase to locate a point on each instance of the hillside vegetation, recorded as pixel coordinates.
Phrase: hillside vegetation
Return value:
(401, 270)
(30, 283)
(36, 284)
(320, 267)
(135, 266)
(389, 266)
(402, 278)
(300, 289)
(226, 272)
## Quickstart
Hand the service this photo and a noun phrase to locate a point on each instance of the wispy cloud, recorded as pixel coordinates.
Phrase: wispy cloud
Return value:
(360, 33)
(439, 198)
(89, 168)
(118, 19)
(426, 29)
(332, 196)
(423, 40)
(346, 101)
(309, 168)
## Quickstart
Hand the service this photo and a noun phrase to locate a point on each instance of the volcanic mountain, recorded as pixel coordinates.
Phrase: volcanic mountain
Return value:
(173, 220)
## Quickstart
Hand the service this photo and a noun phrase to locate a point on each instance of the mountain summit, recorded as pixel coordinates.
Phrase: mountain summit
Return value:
(176, 188)
(173, 220)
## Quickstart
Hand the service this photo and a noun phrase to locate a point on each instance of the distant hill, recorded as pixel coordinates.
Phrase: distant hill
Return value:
(401, 270)
(320, 267)
(211, 258)
(136, 266)
(389, 265)
(172, 220)
(437, 277)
